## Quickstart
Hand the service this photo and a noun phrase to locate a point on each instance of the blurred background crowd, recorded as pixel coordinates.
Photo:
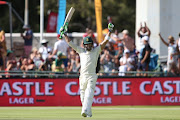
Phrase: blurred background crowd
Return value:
(120, 57)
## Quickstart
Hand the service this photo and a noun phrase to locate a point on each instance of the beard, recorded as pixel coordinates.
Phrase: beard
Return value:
(88, 48)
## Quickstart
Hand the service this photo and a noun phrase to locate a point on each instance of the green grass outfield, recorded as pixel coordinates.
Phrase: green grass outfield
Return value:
(99, 113)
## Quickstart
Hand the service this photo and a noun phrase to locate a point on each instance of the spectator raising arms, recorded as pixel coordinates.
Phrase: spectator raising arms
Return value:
(143, 31)
(172, 50)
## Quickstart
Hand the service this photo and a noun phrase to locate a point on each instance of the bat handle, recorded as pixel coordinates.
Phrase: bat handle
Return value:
(63, 30)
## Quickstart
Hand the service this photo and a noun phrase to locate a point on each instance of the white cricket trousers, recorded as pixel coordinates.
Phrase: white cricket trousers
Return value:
(87, 87)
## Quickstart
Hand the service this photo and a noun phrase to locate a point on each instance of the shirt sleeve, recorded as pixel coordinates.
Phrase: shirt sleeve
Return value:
(75, 47)
(40, 50)
(148, 48)
(55, 46)
(98, 50)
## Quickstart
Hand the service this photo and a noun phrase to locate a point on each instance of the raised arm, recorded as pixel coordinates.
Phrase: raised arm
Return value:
(139, 30)
(148, 30)
(163, 40)
(106, 39)
(67, 38)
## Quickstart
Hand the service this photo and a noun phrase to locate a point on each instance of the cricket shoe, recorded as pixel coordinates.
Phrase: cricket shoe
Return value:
(89, 115)
(84, 114)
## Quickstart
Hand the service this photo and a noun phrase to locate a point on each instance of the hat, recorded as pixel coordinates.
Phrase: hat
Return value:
(88, 40)
(44, 41)
(125, 32)
(8, 52)
(26, 26)
(126, 51)
(146, 38)
(59, 54)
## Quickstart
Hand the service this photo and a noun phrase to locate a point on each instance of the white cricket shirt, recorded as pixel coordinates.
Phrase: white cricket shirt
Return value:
(88, 59)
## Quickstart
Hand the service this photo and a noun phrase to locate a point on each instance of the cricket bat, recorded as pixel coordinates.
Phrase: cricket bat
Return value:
(67, 20)
(69, 15)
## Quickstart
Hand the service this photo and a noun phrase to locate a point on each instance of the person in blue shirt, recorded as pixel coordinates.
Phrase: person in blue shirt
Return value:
(28, 39)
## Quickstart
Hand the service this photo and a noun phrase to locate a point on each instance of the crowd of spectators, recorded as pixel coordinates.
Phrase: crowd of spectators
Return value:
(119, 57)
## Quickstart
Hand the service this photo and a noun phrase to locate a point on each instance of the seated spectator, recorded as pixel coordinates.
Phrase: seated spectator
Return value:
(69, 67)
(58, 65)
(34, 53)
(45, 51)
(115, 67)
(143, 65)
(11, 64)
(126, 63)
(128, 41)
(106, 51)
(38, 60)
(111, 49)
(119, 52)
(172, 49)
(106, 62)
(31, 65)
(24, 66)
(75, 63)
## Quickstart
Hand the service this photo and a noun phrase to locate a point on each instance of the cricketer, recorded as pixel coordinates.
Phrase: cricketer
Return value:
(88, 60)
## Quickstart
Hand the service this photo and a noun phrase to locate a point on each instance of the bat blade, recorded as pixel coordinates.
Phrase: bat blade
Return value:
(69, 15)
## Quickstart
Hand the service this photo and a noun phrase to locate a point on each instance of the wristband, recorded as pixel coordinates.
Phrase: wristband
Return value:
(107, 37)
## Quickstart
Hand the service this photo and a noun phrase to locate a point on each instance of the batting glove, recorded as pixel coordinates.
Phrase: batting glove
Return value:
(110, 27)
(63, 30)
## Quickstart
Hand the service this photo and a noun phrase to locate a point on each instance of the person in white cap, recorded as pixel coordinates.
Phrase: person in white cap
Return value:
(45, 50)
(145, 59)
(127, 63)
(128, 41)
